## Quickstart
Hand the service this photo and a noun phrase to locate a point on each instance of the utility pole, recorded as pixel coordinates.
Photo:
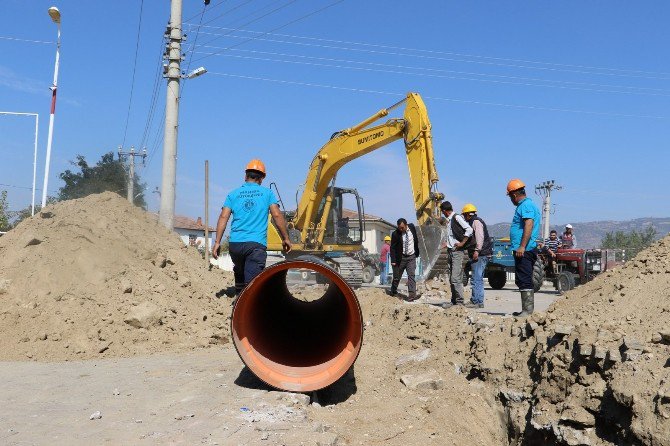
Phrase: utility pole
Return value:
(173, 75)
(207, 244)
(544, 191)
(131, 169)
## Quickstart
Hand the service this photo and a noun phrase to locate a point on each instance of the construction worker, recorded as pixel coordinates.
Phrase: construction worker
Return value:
(480, 255)
(404, 252)
(568, 239)
(383, 259)
(459, 241)
(523, 234)
(249, 206)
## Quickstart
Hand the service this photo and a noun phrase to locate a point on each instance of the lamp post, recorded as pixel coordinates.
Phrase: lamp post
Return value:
(54, 13)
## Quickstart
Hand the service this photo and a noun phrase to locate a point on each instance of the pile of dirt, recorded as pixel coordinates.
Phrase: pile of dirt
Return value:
(409, 385)
(595, 368)
(97, 277)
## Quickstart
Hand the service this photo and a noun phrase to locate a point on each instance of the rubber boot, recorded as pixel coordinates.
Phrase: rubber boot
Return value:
(527, 303)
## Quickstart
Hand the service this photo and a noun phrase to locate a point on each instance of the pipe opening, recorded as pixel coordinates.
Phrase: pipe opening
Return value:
(298, 326)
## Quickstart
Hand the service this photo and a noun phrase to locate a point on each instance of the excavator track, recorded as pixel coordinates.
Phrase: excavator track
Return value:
(350, 269)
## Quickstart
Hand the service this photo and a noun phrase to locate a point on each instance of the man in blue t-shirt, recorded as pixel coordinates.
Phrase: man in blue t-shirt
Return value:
(523, 236)
(249, 206)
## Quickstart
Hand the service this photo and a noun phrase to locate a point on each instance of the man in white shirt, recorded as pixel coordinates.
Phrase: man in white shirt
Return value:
(459, 240)
(404, 252)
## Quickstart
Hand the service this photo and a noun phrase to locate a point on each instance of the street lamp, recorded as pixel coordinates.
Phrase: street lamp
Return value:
(54, 13)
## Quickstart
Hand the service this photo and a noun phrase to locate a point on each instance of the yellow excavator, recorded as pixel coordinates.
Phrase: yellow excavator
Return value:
(321, 229)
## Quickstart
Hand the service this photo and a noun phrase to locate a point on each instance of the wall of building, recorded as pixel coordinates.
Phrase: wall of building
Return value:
(187, 235)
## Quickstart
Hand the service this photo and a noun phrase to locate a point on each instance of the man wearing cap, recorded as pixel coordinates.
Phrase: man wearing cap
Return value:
(523, 234)
(383, 259)
(480, 255)
(459, 241)
(249, 206)
(568, 239)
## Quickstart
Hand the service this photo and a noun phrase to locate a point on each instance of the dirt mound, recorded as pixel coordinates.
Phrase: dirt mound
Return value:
(409, 385)
(97, 277)
(594, 369)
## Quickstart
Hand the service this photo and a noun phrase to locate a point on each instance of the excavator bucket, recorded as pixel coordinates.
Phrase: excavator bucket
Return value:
(433, 250)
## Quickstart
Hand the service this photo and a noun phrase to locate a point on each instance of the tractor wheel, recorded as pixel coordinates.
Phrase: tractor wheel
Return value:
(564, 282)
(368, 274)
(572, 280)
(497, 279)
(538, 275)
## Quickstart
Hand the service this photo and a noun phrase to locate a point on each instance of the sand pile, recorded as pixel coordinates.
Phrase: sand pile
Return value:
(97, 277)
(595, 369)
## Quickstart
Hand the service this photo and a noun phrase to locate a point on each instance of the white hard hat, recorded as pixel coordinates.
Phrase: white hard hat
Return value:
(568, 226)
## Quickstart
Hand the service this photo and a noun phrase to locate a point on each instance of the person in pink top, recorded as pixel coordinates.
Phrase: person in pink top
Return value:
(383, 259)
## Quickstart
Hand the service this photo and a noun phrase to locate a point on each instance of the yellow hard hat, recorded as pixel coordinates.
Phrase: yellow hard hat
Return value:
(256, 165)
(469, 208)
(387, 238)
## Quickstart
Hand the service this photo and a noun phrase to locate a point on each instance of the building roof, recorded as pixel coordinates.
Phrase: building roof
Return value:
(347, 213)
(183, 222)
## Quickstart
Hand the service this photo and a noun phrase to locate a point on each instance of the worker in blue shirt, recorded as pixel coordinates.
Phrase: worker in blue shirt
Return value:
(523, 234)
(249, 206)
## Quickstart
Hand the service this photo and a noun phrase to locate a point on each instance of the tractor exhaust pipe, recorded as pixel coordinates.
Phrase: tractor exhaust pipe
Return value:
(297, 343)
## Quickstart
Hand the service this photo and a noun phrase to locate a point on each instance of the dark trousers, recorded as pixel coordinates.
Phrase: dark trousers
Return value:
(248, 262)
(407, 263)
(523, 269)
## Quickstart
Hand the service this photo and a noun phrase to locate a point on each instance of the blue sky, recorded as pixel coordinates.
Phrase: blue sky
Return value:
(573, 91)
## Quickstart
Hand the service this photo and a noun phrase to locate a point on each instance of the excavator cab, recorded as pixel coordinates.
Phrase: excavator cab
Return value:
(343, 226)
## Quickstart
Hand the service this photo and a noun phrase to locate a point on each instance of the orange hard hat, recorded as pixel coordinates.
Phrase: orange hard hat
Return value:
(515, 184)
(257, 165)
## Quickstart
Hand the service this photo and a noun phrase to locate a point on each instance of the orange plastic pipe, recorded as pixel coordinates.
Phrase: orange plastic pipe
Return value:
(295, 345)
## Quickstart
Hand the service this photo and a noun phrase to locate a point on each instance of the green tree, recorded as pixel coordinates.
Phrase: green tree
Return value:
(633, 242)
(107, 175)
(5, 224)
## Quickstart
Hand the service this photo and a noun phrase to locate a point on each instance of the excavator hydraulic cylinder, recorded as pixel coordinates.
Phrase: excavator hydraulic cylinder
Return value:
(295, 344)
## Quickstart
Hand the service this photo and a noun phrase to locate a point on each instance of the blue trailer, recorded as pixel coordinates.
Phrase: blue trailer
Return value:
(500, 264)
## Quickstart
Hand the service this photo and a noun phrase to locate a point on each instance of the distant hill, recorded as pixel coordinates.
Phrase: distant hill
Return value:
(590, 233)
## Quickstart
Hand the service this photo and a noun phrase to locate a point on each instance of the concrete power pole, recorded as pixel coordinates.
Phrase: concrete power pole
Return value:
(131, 170)
(544, 190)
(173, 74)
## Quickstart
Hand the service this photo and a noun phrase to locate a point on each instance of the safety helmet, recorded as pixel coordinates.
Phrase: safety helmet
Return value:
(256, 165)
(514, 184)
(568, 226)
(468, 208)
(387, 238)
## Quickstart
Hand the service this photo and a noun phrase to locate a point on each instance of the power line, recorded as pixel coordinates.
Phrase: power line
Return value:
(27, 40)
(440, 70)
(431, 75)
(277, 28)
(132, 83)
(423, 56)
(436, 98)
(154, 95)
(252, 21)
(319, 39)
(210, 8)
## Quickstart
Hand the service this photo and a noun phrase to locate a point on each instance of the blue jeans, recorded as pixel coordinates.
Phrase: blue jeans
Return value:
(523, 270)
(248, 262)
(383, 276)
(478, 268)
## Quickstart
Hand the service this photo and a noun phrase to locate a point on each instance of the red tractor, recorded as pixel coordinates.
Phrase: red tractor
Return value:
(572, 267)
